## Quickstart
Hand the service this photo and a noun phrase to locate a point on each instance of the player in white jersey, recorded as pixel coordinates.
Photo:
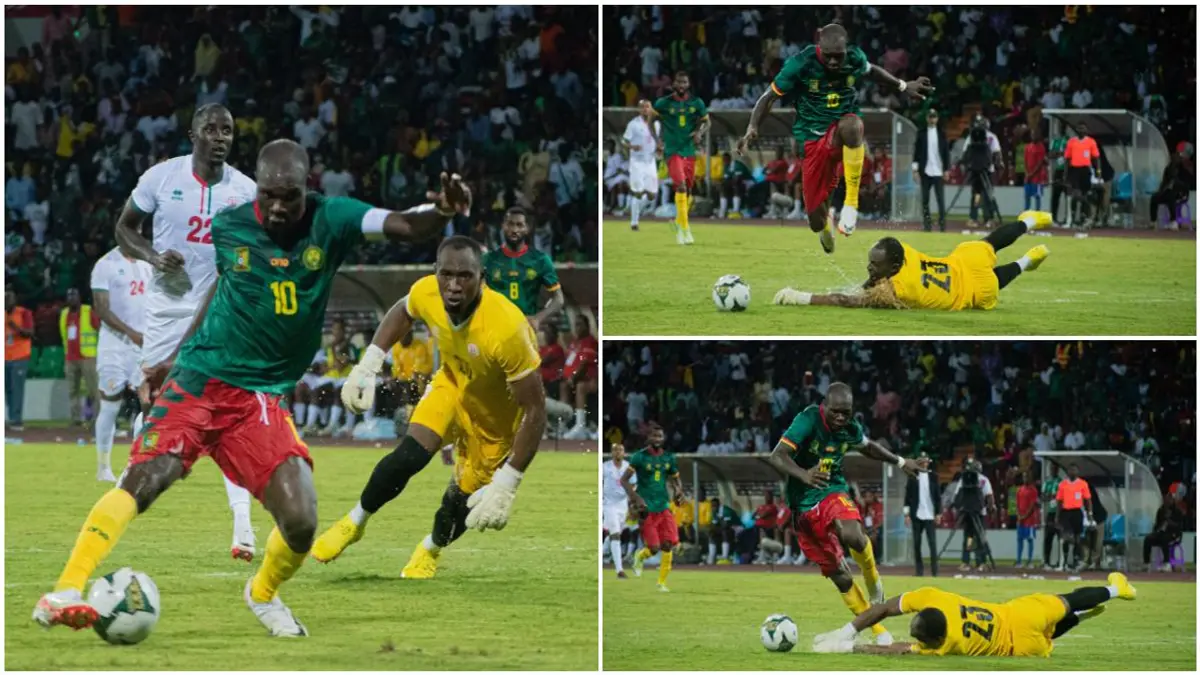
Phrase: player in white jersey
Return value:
(616, 181)
(183, 194)
(118, 295)
(641, 142)
(616, 505)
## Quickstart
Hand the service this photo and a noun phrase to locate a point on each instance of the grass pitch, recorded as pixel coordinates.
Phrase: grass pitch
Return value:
(520, 599)
(1094, 286)
(710, 621)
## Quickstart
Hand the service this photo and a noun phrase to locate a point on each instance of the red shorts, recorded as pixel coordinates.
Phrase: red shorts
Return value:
(660, 528)
(248, 434)
(817, 536)
(682, 171)
(821, 169)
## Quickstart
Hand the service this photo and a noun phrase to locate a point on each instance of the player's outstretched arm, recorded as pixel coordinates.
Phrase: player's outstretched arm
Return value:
(920, 87)
(491, 504)
(876, 451)
(894, 649)
(554, 304)
(358, 393)
(427, 220)
(133, 244)
(841, 641)
(761, 108)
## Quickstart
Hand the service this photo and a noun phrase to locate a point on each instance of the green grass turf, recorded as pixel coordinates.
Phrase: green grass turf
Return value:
(524, 598)
(1094, 286)
(710, 621)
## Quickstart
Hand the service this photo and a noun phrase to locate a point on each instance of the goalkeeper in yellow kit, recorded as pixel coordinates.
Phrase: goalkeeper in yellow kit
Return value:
(949, 624)
(901, 277)
(488, 389)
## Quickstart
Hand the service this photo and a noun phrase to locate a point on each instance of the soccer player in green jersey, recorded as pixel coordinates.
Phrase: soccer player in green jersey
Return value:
(252, 338)
(810, 455)
(657, 476)
(519, 272)
(684, 122)
(820, 82)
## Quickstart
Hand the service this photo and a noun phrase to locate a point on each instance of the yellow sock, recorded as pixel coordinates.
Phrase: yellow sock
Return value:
(101, 531)
(643, 554)
(866, 562)
(857, 602)
(278, 566)
(681, 210)
(664, 567)
(852, 163)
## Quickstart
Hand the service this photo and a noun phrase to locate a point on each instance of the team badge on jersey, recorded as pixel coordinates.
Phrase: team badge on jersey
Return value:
(850, 81)
(496, 275)
(531, 274)
(314, 258)
(150, 440)
(814, 85)
(241, 259)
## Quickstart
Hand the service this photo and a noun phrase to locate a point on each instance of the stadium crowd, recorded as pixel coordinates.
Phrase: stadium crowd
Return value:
(503, 95)
(999, 402)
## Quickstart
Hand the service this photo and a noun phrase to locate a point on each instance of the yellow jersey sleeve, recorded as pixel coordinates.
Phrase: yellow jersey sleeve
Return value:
(517, 353)
(421, 296)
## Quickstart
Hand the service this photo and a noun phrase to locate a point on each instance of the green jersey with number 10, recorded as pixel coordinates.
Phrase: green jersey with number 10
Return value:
(812, 443)
(820, 96)
(264, 323)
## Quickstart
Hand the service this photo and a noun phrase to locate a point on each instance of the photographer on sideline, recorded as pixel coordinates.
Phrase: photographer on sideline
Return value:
(980, 160)
(971, 497)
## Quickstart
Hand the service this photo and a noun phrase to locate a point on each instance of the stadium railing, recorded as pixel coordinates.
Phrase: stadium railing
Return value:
(1134, 147)
(885, 127)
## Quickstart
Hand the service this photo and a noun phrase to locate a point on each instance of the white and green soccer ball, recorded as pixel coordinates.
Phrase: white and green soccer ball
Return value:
(779, 633)
(128, 605)
(731, 294)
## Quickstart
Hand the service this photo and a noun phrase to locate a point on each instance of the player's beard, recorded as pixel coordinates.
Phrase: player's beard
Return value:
(681, 93)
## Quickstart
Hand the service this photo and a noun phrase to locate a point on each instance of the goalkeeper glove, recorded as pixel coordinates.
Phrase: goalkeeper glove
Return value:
(358, 394)
(791, 296)
(491, 504)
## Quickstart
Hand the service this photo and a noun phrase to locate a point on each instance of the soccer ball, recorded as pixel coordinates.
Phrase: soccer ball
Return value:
(779, 633)
(127, 602)
(731, 294)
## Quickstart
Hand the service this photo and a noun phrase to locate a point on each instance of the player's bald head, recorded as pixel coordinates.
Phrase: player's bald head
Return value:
(840, 392)
(885, 258)
(832, 35)
(282, 159)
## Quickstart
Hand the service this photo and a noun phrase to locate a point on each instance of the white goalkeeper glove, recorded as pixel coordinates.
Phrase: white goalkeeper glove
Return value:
(358, 393)
(840, 641)
(491, 503)
(791, 296)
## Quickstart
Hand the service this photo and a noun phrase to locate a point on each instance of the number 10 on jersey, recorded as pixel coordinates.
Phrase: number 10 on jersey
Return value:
(285, 297)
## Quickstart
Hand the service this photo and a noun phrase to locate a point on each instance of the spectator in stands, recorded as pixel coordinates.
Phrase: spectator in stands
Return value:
(18, 331)
(1173, 189)
(685, 518)
(1027, 519)
(1168, 531)
(872, 513)
(878, 190)
(765, 519)
(79, 328)
(580, 377)
(922, 505)
(1035, 170)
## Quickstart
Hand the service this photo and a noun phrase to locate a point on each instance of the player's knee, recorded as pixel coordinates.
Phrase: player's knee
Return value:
(841, 579)
(653, 548)
(855, 541)
(145, 481)
(299, 529)
(850, 130)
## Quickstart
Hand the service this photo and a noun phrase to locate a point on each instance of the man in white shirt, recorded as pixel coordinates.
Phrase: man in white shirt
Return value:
(1075, 440)
(183, 194)
(922, 504)
(336, 181)
(640, 141)
(635, 408)
(308, 131)
(567, 176)
(616, 506)
(118, 296)
(616, 181)
(482, 19)
(26, 117)
(651, 58)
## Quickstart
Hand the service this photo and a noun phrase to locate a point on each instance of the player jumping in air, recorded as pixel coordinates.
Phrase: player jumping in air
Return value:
(254, 334)
(119, 294)
(640, 140)
(810, 455)
(184, 194)
(901, 277)
(949, 624)
(684, 121)
(488, 389)
(519, 272)
(820, 81)
(616, 506)
(657, 475)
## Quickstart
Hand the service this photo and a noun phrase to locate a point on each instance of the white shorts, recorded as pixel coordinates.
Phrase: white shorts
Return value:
(162, 336)
(117, 367)
(614, 517)
(643, 176)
